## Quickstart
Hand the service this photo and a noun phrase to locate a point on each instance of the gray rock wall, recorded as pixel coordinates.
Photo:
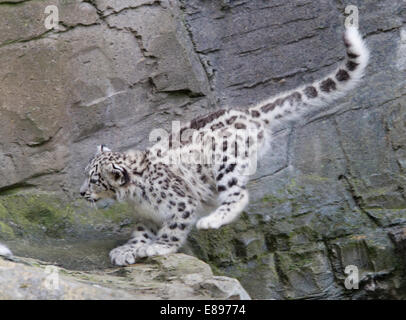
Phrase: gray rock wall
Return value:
(332, 191)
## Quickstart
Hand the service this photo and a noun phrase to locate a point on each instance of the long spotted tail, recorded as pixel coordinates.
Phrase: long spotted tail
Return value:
(344, 78)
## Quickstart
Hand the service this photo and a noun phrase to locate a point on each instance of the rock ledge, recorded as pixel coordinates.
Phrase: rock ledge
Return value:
(177, 276)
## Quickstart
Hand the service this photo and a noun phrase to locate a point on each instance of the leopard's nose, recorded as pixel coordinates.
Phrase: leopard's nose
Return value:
(82, 193)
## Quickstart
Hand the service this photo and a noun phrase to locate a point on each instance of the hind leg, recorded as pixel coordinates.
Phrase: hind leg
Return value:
(233, 201)
(238, 158)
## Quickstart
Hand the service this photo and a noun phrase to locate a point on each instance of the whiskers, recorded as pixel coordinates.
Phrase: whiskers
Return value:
(93, 203)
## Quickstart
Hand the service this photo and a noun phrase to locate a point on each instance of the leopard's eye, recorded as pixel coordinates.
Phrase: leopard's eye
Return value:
(93, 180)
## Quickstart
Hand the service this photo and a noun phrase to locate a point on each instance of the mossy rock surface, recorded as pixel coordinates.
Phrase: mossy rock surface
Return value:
(276, 252)
(44, 225)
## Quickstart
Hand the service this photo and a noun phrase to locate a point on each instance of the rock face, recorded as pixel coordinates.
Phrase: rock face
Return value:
(331, 192)
(176, 276)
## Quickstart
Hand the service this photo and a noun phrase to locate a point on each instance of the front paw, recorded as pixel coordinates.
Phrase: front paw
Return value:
(155, 250)
(123, 255)
(209, 222)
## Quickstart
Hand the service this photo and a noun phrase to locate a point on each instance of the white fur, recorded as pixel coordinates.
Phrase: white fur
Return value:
(357, 46)
(4, 251)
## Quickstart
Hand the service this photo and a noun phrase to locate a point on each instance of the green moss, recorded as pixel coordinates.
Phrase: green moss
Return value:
(381, 252)
(388, 216)
(207, 245)
(116, 212)
(33, 212)
(293, 187)
(294, 261)
(36, 215)
(6, 233)
(316, 178)
(3, 212)
(269, 198)
(302, 234)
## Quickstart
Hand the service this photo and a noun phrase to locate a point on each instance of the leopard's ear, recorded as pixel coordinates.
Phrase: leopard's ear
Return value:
(102, 148)
(118, 174)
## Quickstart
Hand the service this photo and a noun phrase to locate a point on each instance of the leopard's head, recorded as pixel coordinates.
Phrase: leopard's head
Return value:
(106, 175)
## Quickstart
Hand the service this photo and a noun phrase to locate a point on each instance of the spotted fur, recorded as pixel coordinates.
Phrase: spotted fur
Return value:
(205, 166)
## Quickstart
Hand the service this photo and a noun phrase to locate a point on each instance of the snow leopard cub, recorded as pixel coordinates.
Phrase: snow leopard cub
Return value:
(206, 164)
